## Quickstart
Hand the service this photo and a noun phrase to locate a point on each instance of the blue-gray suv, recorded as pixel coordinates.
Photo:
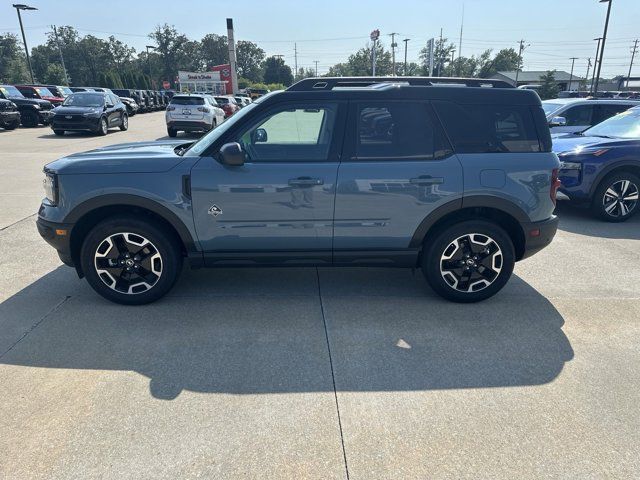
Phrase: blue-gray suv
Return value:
(455, 176)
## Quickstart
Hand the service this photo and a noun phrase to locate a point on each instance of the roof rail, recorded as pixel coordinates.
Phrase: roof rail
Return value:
(329, 83)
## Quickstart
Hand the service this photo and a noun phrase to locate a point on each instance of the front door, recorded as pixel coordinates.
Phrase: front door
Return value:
(397, 168)
(281, 200)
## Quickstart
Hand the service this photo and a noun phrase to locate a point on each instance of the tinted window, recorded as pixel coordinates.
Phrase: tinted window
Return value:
(84, 100)
(296, 134)
(398, 130)
(489, 128)
(578, 115)
(608, 111)
(28, 92)
(187, 101)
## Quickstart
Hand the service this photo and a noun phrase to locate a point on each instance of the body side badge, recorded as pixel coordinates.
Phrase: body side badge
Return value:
(215, 210)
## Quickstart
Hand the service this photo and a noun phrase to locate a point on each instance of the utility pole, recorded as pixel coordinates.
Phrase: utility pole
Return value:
(149, 63)
(604, 39)
(441, 59)
(55, 33)
(520, 50)
(460, 43)
(595, 63)
(573, 60)
(393, 53)
(633, 54)
(295, 56)
(316, 62)
(18, 7)
(406, 40)
(586, 77)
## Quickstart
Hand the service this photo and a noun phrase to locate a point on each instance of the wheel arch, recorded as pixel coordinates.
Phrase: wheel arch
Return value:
(88, 214)
(623, 166)
(506, 215)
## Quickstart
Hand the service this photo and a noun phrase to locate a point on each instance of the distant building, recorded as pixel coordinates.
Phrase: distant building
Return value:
(634, 83)
(534, 78)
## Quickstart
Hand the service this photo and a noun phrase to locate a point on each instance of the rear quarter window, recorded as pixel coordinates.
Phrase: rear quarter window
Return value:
(489, 128)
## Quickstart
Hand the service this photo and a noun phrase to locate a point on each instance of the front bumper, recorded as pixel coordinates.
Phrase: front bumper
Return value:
(89, 124)
(9, 118)
(45, 116)
(58, 235)
(538, 235)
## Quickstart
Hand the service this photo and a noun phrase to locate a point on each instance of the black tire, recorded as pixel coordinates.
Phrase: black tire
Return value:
(59, 132)
(12, 126)
(494, 265)
(172, 132)
(124, 124)
(103, 127)
(609, 202)
(163, 243)
(30, 119)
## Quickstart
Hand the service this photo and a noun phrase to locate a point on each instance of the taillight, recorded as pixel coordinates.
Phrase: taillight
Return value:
(170, 108)
(555, 185)
(203, 109)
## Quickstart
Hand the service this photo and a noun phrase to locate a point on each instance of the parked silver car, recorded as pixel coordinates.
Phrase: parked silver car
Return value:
(570, 115)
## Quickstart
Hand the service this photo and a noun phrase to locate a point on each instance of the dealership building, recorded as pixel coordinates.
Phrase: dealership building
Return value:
(218, 81)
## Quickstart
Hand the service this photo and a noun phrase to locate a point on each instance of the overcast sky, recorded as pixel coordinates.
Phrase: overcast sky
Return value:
(328, 31)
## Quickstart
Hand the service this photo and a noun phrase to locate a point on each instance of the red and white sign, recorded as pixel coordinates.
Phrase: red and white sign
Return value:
(224, 75)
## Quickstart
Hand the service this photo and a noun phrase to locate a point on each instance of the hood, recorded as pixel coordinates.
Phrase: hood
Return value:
(44, 104)
(141, 157)
(566, 143)
(64, 110)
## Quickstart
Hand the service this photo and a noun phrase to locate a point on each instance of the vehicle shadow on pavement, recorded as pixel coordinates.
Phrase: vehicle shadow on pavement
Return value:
(576, 219)
(262, 331)
(183, 135)
(69, 135)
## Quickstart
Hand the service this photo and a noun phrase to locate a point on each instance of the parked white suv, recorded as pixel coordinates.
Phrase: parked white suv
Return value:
(192, 113)
(571, 115)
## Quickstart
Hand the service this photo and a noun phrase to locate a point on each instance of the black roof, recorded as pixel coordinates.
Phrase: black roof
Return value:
(465, 90)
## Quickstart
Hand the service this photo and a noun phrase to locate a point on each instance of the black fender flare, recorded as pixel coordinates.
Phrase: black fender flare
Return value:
(128, 200)
(486, 201)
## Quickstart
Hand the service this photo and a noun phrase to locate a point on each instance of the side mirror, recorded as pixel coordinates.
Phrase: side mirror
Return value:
(260, 135)
(231, 154)
(558, 122)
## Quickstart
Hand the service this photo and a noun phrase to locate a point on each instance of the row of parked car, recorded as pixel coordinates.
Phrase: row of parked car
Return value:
(32, 105)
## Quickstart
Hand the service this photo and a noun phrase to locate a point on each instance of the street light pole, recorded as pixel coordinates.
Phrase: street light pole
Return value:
(406, 40)
(593, 76)
(604, 39)
(149, 63)
(18, 7)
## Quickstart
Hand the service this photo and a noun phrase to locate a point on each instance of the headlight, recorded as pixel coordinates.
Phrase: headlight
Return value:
(570, 165)
(36, 107)
(92, 113)
(50, 184)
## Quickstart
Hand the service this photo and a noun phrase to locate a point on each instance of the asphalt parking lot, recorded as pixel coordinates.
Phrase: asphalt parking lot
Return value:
(314, 373)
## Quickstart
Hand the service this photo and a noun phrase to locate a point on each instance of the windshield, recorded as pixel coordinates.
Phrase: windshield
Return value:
(11, 91)
(201, 145)
(623, 125)
(549, 108)
(43, 92)
(84, 100)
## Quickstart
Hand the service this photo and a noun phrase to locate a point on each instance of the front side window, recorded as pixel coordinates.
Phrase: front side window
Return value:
(298, 133)
(579, 115)
(398, 130)
(489, 128)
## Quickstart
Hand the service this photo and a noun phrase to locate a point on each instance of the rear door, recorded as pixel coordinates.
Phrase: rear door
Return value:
(396, 169)
(282, 199)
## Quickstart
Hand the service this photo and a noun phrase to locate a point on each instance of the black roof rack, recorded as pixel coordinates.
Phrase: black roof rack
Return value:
(329, 83)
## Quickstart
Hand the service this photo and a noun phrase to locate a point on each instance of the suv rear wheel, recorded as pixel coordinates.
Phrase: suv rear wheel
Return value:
(469, 261)
(130, 261)
(616, 198)
(172, 132)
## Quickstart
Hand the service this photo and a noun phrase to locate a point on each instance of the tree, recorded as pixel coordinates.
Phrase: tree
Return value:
(214, 50)
(441, 57)
(170, 50)
(305, 73)
(360, 63)
(549, 87)
(249, 60)
(506, 60)
(275, 71)
(13, 67)
(54, 75)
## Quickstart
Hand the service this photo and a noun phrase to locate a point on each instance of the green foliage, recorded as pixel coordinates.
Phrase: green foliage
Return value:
(13, 66)
(249, 60)
(506, 59)
(442, 53)
(549, 87)
(360, 63)
(275, 71)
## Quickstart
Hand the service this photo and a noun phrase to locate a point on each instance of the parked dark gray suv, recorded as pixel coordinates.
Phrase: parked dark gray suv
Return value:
(453, 176)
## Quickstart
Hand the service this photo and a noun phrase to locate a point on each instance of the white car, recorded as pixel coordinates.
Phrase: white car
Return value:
(571, 115)
(192, 113)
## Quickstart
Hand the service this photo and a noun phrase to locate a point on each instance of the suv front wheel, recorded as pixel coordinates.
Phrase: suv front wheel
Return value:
(469, 261)
(616, 198)
(130, 261)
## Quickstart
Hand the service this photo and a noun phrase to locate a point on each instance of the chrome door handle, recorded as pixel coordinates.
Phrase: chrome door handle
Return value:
(426, 180)
(305, 181)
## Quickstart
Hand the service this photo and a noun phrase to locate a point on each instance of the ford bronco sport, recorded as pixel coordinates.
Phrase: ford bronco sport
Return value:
(455, 176)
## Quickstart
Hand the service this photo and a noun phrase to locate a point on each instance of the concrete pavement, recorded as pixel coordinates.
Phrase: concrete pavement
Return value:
(314, 373)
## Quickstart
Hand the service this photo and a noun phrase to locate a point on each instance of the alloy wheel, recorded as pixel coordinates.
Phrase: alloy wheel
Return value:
(620, 198)
(471, 262)
(128, 263)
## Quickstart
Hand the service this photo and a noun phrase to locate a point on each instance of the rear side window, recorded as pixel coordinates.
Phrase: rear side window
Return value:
(398, 131)
(187, 101)
(608, 111)
(489, 128)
